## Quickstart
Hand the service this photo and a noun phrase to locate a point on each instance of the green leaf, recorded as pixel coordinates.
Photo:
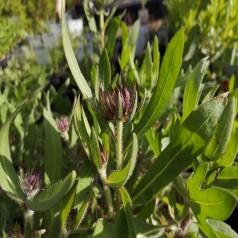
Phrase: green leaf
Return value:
(133, 36)
(105, 229)
(95, 150)
(227, 178)
(128, 44)
(105, 70)
(127, 204)
(119, 178)
(191, 91)
(81, 124)
(189, 141)
(86, 177)
(154, 140)
(81, 212)
(53, 150)
(112, 35)
(217, 145)
(156, 60)
(229, 155)
(222, 229)
(89, 15)
(168, 75)
(214, 202)
(210, 94)
(66, 205)
(71, 59)
(9, 181)
(148, 67)
(49, 197)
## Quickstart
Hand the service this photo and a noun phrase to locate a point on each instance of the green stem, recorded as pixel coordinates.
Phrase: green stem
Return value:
(109, 200)
(119, 144)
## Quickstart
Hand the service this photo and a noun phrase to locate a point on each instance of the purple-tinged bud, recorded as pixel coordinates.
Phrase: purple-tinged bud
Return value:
(30, 184)
(16, 232)
(118, 103)
(63, 123)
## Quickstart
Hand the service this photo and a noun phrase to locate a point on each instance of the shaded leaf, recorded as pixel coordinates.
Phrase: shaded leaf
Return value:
(53, 150)
(95, 150)
(9, 181)
(105, 70)
(127, 204)
(81, 212)
(86, 177)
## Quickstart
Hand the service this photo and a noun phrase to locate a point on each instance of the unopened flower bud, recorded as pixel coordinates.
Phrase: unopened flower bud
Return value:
(30, 184)
(63, 126)
(118, 103)
(63, 123)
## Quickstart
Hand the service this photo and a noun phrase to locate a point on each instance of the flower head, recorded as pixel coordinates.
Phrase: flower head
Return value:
(63, 123)
(30, 184)
(118, 103)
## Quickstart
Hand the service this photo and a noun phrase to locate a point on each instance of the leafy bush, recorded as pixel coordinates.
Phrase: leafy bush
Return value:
(130, 160)
(211, 27)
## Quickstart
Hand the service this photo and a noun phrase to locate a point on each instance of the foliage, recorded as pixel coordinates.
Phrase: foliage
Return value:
(211, 27)
(128, 159)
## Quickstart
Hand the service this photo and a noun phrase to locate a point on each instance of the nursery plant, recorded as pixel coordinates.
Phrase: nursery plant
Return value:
(130, 160)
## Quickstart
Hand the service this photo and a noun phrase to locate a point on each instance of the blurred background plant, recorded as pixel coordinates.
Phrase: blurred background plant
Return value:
(211, 29)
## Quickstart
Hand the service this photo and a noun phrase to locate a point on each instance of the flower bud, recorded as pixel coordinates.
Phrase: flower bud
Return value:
(119, 103)
(30, 184)
(63, 126)
(63, 123)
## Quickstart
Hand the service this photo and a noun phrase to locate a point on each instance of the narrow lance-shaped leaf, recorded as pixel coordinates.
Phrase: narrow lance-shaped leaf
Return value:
(133, 36)
(217, 145)
(81, 212)
(79, 121)
(156, 61)
(66, 205)
(189, 141)
(191, 91)
(229, 155)
(49, 197)
(148, 67)
(86, 177)
(119, 178)
(9, 181)
(105, 70)
(53, 150)
(95, 150)
(127, 204)
(89, 15)
(168, 75)
(214, 202)
(112, 35)
(71, 59)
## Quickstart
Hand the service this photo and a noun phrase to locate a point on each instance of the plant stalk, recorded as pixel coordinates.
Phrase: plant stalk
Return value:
(109, 201)
(119, 144)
